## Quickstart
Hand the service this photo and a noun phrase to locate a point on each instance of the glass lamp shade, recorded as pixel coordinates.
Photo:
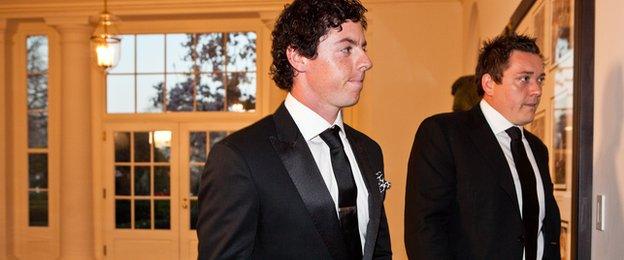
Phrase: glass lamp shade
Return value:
(106, 45)
(107, 50)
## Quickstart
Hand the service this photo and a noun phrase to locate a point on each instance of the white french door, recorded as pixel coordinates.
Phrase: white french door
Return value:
(151, 180)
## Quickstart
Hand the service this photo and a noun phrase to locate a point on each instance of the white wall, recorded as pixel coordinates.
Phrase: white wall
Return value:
(416, 49)
(608, 162)
(482, 20)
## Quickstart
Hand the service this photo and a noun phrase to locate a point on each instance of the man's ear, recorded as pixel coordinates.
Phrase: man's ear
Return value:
(488, 83)
(296, 60)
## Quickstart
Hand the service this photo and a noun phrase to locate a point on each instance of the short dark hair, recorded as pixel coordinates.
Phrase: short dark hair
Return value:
(494, 56)
(301, 26)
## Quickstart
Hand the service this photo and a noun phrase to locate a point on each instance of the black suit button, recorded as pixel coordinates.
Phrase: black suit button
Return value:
(521, 239)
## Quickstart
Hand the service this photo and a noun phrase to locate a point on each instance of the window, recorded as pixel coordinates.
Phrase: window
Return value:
(37, 101)
(193, 72)
(142, 180)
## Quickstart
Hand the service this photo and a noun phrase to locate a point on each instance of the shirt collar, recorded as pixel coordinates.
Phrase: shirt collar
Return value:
(310, 123)
(498, 123)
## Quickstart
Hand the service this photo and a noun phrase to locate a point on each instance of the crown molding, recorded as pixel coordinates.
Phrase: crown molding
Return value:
(35, 9)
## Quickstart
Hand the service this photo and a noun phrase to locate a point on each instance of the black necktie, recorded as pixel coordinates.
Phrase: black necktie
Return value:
(347, 191)
(530, 205)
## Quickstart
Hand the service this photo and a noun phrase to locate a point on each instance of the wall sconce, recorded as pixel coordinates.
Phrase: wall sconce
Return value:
(106, 44)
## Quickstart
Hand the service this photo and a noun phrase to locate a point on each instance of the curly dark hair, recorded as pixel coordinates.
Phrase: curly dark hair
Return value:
(301, 26)
(494, 56)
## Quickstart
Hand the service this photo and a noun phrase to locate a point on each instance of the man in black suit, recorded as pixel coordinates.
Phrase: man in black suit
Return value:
(478, 186)
(300, 184)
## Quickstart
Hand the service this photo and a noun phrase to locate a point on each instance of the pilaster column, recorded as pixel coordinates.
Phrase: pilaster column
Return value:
(76, 195)
(272, 95)
(3, 170)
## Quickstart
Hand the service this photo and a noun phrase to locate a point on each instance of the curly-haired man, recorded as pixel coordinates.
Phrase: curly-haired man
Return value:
(301, 184)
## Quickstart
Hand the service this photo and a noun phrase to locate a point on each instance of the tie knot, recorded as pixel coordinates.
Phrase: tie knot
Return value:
(514, 132)
(331, 136)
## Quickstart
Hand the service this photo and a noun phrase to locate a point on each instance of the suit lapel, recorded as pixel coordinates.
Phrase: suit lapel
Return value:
(374, 197)
(487, 144)
(303, 171)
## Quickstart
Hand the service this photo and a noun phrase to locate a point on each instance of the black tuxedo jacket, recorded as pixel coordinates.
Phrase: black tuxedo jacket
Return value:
(262, 197)
(461, 200)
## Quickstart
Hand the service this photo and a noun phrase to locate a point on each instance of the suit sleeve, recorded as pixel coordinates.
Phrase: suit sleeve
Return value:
(228, 207)
(383, 249)
(430, 195)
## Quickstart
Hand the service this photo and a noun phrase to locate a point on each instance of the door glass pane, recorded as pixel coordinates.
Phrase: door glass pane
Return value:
(178, 55)
(142, 214)
(122, 146)
(162, 146)
(194, 213)
(196, 171)
(142, 180)
(162, 214)
(122, 213)
(161, 181)
(197, 148)
(122, 180)
(216, 136)
(142, 146)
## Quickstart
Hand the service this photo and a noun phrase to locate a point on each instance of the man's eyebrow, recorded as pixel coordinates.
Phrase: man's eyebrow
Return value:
(351, 41)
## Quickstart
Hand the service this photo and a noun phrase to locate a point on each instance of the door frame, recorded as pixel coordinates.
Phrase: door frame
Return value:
(583, 120)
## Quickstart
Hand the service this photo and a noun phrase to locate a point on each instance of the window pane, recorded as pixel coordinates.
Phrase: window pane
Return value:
(150, 53)
(142, 213)
(37, 91)
(197, 146)
(38, 171)
(196, 172)
(122, 214)
(162, 146)
(241, 51)
(142, 146)
(142, 180)
(210, 92)
(194, 212)
(161, 214)
(161, 181)
(126, 60)
(179, 53)
(211, 49)
(122, 146)
(120, 93)
(150, 91)
(37, 54)
(38, 208)
(241, 91)
(216, 136)
(122, 180)
(180, 89)
(37, 129)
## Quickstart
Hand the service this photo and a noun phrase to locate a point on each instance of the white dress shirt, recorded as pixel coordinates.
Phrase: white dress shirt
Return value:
(498, 123)
(310, 125)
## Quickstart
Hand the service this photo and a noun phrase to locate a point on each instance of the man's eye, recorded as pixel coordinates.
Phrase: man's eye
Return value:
(525, 79)
(346, 50)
